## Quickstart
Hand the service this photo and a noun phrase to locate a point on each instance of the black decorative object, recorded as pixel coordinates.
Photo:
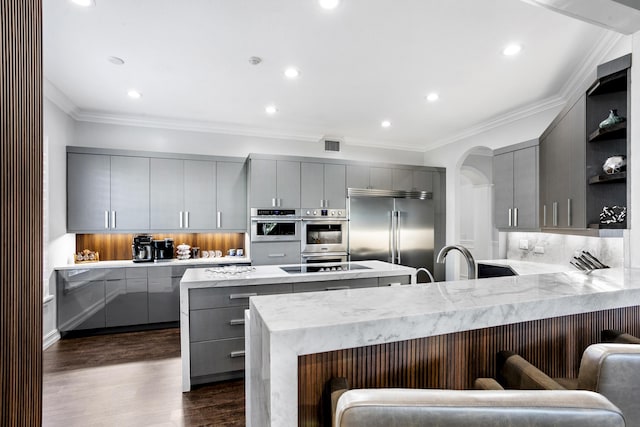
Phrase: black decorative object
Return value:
(612, 120)
(613, 214)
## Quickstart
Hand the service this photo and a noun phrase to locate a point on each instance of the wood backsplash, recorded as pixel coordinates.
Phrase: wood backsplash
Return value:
(118, 246)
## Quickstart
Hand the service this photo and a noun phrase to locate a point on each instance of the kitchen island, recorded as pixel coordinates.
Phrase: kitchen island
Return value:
(213, 301)
(438, 335)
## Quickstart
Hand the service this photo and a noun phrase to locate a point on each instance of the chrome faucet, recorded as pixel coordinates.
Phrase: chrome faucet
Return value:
(471, 263)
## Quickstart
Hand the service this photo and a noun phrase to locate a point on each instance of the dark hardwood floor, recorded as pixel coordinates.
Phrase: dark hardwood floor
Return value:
(131, 379)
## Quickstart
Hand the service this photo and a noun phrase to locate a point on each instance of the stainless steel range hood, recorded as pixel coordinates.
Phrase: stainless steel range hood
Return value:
(622, 16)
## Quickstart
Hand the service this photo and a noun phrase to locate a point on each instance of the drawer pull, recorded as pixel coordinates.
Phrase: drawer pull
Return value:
(336, 288)
(239, 353)
(277, 255)
(241, 296)
(234, 322)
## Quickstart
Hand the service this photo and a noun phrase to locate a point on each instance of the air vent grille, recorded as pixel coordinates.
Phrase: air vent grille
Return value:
(331, 145)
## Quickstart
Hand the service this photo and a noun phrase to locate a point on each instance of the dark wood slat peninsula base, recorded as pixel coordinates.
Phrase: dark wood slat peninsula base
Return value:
(453, 361)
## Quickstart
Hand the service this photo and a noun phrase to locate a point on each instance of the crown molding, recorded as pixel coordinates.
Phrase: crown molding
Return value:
(55, 95)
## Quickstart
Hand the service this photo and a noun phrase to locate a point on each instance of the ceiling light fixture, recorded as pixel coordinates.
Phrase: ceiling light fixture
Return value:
(292, 73)
(271, 109)
(115, 60)
(255, 60)
(329, 4)
(433, 97)
(512, 49)
(134, 94)
(84, 3)
(385, 124)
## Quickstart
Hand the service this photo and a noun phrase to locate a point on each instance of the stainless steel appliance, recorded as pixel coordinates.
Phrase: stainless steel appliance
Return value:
(275, 225)
(391, 226)
(323, 268)
(325, 236)
(142, 249)
(162, 250)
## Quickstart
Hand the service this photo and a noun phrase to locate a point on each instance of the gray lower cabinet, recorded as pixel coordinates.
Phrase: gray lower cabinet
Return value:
(370, 282)
(394, 280)
(271, 253)
(126, 301)
(164, 294)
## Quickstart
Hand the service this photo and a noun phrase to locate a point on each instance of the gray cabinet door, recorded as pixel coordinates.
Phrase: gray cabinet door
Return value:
(129, 193)
(503, 189)
(164, 299)
(263, 184)
(422, 180)
(288, 179)
(199, 195)
(271, 253)
(312, 185)
(402, 179)
(88, 192)
(380, 178)
(357, 176)
(525, 188)
(166, 194)
(334, 186)
(80, 304)
(231, 183)
(126, 302)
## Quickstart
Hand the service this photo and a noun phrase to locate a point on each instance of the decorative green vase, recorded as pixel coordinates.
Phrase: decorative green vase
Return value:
(613, 119)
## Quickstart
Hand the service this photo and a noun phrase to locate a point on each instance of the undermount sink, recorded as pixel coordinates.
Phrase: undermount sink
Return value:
(491, 270)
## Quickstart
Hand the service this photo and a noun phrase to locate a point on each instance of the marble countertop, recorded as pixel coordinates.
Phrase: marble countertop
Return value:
(269, 274)
(523, 268)
(174, 262)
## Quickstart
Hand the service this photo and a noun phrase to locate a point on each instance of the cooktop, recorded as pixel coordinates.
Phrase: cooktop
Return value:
(323, 268)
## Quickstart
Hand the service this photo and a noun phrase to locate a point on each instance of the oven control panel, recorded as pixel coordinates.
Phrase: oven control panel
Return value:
(327, 213)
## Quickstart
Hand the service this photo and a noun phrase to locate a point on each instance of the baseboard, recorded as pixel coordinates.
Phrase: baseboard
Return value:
(49, 339)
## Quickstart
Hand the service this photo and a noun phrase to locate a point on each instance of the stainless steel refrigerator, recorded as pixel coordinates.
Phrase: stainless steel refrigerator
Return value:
(392, 226)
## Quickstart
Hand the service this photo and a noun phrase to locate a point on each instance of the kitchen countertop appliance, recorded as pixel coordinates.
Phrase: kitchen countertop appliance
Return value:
(324, 236)
(391, 226)
(142, 249)
(163, 250)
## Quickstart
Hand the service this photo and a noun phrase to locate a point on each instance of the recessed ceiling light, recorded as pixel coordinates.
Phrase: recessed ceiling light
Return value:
(433, 97)
(255, 60)
(134, 94)
(385, 124)
(270, 109)
(512, 49)
(329, 4)
(292, 73)
(84, 3)
(115, 60)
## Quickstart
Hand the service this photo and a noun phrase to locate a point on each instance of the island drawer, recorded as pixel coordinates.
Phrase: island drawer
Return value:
(232, 296)
(216, 323)
(387, 281)
(214, 357)
(332, 285)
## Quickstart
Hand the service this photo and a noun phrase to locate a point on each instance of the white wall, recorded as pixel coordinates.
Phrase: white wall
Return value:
(632, 236)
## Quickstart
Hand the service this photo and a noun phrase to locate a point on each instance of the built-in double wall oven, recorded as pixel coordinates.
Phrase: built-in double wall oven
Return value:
(275, 225)
(324, 236)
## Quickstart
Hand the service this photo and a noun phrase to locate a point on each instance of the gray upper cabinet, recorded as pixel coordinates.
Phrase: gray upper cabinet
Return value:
(412, 180)
(375, 177)
(231, 196)
(107, 193)
(275, 183)
(323, 186)
(515, 179)
(183, 194)
(562, 158)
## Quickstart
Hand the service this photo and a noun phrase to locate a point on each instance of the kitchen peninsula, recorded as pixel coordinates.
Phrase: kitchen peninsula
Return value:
(213, 302)
(437, 335)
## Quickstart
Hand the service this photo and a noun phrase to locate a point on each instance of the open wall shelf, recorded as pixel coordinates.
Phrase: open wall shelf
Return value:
(614, 132)
(605, 178)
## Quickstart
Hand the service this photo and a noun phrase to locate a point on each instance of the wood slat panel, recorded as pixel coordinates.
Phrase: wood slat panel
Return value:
(118, 246)
(454, 361)
(21, 213)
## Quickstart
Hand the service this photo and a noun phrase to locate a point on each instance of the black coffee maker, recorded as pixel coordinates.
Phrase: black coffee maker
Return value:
(163, 249)
(141, 248)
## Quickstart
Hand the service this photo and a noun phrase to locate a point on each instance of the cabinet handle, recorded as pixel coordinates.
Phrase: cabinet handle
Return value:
(336, 288)
(569, 212)
(326, 203)
(234, 322)
(243, 296)
(106, 219)
(321, 203)
(279, 202)
(510, 222)
(239, 353)
(515, 217)
(544, 215)
(273, 203)
(276, 255)
(186, 219)
(113, 219)
(219, 219)
(555, 214)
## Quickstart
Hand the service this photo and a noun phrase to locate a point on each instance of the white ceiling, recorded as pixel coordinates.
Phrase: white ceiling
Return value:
(364, 62)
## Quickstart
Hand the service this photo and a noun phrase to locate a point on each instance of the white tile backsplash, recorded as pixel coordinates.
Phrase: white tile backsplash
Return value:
(560, 248)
